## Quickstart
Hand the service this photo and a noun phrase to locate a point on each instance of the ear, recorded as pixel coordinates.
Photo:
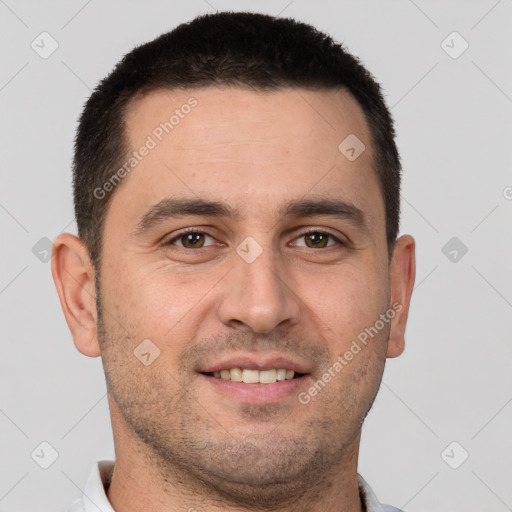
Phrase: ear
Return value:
(73, 274)
(402, 275)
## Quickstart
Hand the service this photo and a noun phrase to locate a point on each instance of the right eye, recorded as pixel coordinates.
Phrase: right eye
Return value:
(190, 240)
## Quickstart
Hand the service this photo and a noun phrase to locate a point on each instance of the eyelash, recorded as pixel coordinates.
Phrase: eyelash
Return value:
(199, 232)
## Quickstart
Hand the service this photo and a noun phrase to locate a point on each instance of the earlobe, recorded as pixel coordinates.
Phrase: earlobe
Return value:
(73, 274)
(402, 276)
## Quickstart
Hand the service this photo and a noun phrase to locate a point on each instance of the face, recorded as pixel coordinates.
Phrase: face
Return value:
(245, 239)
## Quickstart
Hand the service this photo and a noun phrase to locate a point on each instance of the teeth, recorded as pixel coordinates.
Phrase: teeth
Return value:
(236, 374)
(268, 376)
(251, 376)
(255, 376)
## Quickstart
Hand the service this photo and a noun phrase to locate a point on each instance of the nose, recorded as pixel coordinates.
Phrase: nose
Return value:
(258, 296)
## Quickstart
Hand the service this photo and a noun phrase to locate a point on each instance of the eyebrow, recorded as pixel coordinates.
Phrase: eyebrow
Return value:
(170, 208)
(335, 208)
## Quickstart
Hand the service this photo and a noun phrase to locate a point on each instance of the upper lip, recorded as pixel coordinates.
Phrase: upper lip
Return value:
(256, 362)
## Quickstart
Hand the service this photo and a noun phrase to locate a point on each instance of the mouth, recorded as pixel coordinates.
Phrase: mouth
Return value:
(252, 376)
(257, 379)
(255, 387)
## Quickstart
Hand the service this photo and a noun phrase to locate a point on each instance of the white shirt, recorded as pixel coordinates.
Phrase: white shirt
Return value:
(94, 498)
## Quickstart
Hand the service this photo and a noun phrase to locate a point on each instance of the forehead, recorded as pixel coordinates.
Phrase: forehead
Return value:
(243, 116)
(250, 148)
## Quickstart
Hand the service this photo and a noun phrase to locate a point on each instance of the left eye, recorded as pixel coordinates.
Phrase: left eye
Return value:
(191, 240)
(317, 239)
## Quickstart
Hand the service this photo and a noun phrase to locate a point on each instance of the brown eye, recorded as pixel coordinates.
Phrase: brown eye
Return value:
(314, 240)
(317, 240)
(191, 240)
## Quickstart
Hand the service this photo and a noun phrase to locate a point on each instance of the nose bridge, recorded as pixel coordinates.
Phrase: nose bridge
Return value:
(257, 294)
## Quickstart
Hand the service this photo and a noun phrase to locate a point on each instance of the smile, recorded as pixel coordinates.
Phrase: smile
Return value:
(249, 376)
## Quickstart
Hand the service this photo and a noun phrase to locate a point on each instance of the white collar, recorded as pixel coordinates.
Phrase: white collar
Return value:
(94, 498)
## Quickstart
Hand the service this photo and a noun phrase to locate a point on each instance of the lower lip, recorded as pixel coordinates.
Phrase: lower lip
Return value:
(258, 393)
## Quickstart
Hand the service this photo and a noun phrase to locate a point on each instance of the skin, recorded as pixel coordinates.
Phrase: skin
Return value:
(180, 443)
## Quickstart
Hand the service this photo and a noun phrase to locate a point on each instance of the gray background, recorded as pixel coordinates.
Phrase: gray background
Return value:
(453, 117)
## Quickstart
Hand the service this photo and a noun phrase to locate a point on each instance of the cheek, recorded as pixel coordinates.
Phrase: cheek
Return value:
(350, 302)
(160, 303)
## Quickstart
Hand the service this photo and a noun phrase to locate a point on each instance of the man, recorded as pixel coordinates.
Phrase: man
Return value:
(236, 186)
